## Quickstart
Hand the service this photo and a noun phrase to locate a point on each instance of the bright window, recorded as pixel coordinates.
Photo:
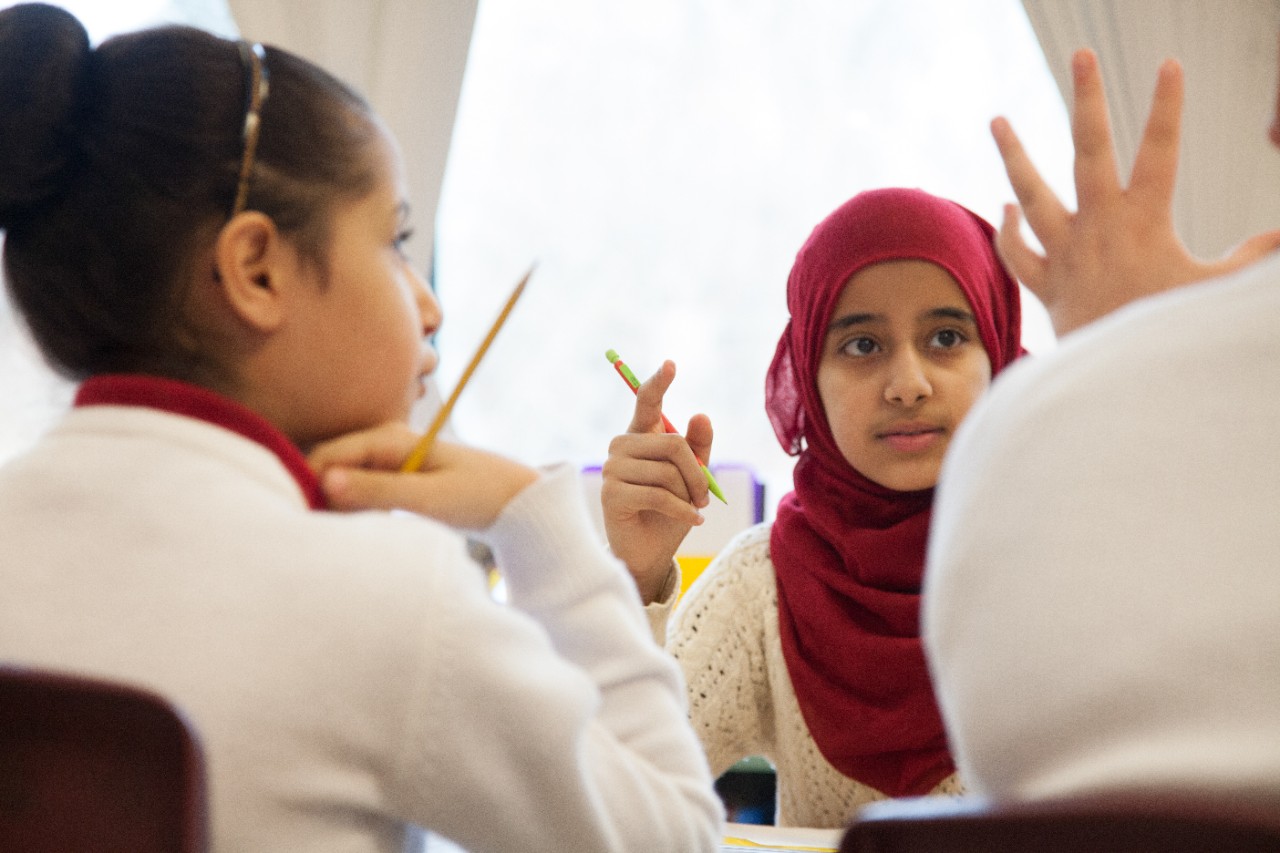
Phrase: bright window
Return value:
(117, 16)
(663, 161)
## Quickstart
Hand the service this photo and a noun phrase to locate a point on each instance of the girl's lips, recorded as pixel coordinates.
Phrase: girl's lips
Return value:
(912, 439)
(425, 369)
(428, 366)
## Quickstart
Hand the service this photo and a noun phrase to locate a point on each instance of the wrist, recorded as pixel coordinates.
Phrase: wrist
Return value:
(660, 582)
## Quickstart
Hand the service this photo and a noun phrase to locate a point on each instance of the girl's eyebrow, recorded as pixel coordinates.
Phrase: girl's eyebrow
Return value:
(853, 320)
(949, 313)
(862, 319)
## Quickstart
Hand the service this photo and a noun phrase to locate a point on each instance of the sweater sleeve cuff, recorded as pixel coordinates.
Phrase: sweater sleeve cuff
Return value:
(545, 543)
(658, 611)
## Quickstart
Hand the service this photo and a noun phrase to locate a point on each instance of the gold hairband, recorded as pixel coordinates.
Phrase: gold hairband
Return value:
(254, 58)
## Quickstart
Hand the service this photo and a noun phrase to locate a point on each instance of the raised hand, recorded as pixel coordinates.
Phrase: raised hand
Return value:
(1121, 244)
(460, 486)
(653, 486)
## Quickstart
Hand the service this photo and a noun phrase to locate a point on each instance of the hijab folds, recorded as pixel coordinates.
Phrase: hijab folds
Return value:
(849, 553)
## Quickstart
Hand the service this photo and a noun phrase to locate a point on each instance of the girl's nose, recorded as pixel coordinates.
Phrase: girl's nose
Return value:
(907, 383)
(428, 306)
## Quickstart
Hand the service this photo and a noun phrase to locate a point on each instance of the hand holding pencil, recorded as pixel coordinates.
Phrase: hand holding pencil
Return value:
(634, 384)
(653, 485)
(461, 486)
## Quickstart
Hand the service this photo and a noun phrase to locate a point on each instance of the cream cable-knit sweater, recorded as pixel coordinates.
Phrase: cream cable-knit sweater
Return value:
(724, 633)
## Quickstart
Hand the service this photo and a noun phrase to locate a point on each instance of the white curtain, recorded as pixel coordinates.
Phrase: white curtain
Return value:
(1229, 176)
(406, 56)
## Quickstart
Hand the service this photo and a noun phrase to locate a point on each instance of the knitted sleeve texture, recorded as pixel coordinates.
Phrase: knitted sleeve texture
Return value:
(724, 633)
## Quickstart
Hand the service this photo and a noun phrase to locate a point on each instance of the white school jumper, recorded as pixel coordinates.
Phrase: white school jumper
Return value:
(1102, 599)
(349, 674)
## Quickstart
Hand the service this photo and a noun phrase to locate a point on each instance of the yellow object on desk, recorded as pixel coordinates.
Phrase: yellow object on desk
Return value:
(690, 568)
(779, 839)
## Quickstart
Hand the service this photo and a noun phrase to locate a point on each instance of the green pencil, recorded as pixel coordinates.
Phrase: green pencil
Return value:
(634, 385)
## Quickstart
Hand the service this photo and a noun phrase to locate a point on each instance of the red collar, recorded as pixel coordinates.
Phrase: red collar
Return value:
(193, 401)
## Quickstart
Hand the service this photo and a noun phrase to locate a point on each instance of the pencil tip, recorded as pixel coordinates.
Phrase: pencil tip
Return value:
(713, 486)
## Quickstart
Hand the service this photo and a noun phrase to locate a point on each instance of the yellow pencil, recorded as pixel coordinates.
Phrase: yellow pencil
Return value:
(423, 447)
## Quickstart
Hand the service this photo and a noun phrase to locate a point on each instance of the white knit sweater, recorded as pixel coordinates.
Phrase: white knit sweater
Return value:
(350, 675)
(724, 633)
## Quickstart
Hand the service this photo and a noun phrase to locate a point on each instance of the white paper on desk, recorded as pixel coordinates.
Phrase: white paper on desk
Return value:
(757, 838)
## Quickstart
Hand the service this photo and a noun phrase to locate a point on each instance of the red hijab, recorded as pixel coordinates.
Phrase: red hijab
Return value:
(849, 553)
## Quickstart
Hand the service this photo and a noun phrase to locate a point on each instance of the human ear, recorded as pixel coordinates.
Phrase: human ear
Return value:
(249, 267)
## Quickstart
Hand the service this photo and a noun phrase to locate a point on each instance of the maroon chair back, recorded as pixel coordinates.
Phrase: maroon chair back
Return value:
(1138, 824)
(96, 767)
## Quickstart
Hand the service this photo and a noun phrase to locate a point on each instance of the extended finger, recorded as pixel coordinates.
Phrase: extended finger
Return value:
(1022, 262)
(1095, 168)
(1251, 250)
(1155, 168)
(1045, 213)
(647, 416)
(700, 436)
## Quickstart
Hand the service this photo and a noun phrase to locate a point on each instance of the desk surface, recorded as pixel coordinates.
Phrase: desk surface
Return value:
(764, 839)
(745, 837)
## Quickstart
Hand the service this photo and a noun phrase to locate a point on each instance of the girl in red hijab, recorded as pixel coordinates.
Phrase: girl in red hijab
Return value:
(801, 641)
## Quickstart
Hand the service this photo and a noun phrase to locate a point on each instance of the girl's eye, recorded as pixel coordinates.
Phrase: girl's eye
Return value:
(401, 238)
(947, 338)
(860, 347)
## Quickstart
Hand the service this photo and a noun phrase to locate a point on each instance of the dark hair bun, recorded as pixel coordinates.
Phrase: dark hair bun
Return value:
(44, 60)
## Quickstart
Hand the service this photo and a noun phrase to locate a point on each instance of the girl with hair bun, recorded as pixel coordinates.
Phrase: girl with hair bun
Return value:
(209, 237)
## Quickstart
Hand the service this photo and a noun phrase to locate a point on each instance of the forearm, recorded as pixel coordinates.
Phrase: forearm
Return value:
(636, 751)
